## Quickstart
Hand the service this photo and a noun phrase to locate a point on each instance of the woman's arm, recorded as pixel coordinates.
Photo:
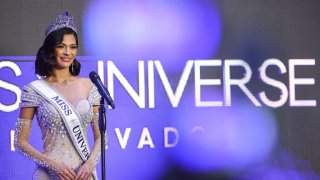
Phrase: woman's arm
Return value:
(87, 168)
(21, 142)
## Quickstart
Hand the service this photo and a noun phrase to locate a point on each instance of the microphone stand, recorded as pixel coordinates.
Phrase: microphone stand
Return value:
(102, 125)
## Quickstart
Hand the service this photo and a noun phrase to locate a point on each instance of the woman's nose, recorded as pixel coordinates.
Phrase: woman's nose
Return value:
(66, 51)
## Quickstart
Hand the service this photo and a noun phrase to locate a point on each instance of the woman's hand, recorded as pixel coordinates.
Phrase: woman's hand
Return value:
(85, 171)
(64, 171)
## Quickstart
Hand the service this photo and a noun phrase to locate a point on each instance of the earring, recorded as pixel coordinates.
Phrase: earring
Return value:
(72, 68)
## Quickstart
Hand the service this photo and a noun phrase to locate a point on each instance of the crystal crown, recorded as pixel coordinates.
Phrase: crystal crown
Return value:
(65, 20)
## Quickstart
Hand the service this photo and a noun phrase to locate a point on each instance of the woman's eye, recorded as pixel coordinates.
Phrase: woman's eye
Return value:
(74, 47)
(59, 46)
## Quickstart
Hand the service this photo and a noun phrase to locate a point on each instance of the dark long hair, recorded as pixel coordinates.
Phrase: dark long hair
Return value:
(46, 60)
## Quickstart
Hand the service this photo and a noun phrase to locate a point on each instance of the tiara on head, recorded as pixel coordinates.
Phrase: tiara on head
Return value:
(65, 20)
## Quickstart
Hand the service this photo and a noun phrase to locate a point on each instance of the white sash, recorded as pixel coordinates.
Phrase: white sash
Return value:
(70, 117)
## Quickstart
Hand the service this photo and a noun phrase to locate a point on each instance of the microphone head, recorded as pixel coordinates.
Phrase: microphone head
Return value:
(94, 76)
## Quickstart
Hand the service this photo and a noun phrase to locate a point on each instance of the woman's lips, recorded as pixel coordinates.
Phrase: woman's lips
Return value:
(65, 59)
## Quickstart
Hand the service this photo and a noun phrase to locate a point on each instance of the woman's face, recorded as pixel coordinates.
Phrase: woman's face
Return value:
(66, 51)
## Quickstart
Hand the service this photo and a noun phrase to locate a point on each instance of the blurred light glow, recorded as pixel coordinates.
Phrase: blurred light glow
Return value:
(128, 31)
(223, 138)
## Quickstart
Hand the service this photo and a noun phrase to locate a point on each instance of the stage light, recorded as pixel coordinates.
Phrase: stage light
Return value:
(136, 30)
(223, 139)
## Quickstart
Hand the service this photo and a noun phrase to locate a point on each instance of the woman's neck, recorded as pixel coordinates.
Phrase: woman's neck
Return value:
(60, 76)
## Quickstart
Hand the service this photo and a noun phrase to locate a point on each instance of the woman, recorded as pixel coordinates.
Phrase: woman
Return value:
(64, 105)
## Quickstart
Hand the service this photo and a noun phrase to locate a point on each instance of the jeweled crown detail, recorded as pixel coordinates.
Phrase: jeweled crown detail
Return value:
(65, 20)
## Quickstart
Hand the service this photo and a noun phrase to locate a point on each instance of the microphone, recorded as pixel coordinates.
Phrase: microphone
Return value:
(95, 78)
